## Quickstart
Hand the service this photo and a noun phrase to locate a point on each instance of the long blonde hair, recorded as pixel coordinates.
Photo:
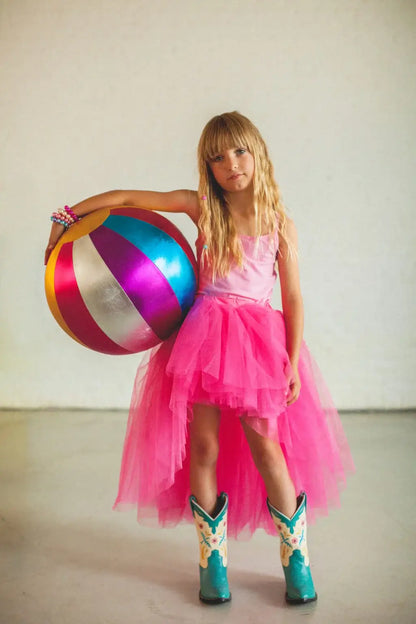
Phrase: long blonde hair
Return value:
(222, 246)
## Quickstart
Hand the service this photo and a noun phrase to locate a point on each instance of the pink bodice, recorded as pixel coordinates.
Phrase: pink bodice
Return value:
(258, 276)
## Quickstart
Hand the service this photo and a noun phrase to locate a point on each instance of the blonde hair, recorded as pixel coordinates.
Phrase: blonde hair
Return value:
(222, 246)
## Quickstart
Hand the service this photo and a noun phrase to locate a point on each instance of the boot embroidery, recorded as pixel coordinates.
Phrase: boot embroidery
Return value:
(292, 540)
(210, 541)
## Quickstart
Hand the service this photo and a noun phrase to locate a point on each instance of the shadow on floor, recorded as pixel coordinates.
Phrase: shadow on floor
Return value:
(158, 562)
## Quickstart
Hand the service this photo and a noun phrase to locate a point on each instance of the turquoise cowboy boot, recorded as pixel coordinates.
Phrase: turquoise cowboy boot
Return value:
(294, 553)
(212, 535)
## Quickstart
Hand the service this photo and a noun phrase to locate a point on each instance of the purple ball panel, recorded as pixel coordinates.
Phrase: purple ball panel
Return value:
(141, 280)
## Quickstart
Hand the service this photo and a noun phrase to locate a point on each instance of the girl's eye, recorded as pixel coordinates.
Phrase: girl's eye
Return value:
(217, 158)
(241, 150)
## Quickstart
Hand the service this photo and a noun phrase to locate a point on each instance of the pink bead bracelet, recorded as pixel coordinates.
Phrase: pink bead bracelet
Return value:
(72, 213)
(65, 216)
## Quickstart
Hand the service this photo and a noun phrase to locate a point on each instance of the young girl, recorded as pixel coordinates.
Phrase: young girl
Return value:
(234, 396)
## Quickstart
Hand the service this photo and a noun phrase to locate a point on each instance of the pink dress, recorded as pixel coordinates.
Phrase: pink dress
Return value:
(231, 352)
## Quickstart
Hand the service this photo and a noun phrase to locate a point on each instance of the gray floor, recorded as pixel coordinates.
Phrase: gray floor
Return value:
(66, 557)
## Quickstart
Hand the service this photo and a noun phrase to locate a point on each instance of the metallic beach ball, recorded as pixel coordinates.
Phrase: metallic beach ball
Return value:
(121, 280)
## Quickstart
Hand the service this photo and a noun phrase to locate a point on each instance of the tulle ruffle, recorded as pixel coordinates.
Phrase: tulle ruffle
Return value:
(229, 352)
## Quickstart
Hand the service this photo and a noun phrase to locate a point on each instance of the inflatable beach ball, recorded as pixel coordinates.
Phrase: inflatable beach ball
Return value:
(121, 280)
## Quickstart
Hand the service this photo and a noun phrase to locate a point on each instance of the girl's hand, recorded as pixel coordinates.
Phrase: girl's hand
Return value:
(56, 232)
(294, 386)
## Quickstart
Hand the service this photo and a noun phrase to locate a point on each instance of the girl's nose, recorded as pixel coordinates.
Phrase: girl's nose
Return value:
(231, 162)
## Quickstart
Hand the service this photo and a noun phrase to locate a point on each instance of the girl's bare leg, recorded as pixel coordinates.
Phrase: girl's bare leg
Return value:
(204, 454)
(270, 462)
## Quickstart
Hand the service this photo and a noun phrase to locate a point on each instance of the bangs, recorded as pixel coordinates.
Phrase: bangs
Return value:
(222, 133)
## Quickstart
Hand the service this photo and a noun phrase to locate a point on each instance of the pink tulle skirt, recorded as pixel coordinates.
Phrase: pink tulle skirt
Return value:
(229, 352)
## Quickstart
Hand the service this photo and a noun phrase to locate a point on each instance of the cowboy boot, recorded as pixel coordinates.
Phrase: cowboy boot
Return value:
(212, 535)
(294, 552)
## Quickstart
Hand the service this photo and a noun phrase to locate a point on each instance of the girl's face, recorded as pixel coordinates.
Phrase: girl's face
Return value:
(233, 169)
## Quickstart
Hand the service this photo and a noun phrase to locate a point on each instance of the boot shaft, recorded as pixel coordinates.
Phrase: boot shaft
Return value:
(212, 531)
(292, 531)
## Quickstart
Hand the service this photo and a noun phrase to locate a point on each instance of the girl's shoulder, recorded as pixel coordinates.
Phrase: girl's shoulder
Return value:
(289, 229)
(288, 241)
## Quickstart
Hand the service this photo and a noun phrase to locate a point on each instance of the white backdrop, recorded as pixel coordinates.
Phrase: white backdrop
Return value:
(110, 94)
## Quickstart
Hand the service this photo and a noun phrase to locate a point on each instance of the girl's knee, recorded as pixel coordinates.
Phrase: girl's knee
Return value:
(204, 449)
(268, 458)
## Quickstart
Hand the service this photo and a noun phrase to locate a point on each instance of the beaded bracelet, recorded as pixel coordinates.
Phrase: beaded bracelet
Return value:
(65, 216)
(72, 214)
(58, 219)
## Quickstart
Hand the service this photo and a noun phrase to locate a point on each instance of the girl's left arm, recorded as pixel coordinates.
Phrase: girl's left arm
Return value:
(292, 304)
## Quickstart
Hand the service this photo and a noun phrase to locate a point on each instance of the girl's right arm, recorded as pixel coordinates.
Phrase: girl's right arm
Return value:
(173, 201)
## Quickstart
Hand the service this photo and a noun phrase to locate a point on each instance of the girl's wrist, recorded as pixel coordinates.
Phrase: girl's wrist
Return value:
(294, 361)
